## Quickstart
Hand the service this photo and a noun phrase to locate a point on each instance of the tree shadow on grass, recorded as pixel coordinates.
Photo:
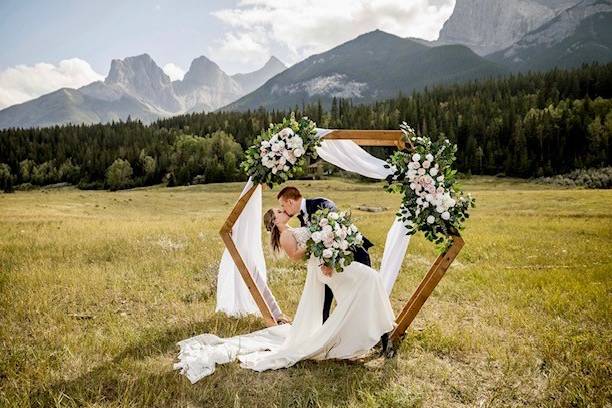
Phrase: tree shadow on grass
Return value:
(142, 375)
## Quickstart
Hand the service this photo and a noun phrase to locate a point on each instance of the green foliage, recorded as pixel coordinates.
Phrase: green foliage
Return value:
(526, 125)
(6, 178)
(69, 172)
(26, 167)
(45, 173)
(119, 175)
(590, 178)
(196, 159)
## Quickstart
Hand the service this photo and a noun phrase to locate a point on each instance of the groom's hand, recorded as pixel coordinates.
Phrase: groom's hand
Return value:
(327, 271)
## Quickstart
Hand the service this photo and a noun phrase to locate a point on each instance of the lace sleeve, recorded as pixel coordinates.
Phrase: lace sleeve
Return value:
(301, 236)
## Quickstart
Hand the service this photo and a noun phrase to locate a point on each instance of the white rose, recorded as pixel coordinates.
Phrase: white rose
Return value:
(421, 172)
(327, 229)
(445, 215)
(429, 157)
(274, 170)
(440, 178)
(328, 242)
(316, 236)
(327, 253)
(265, 144)
(287, 154)
(358, 238)
(430, 219)
(416, 157)
(426, 164)
(298, 152)
(344, 245)
(286, 132)
(276, 147)
(433, 171)
(333, 215)
(439, 209)
(285, 168)
(323, 222)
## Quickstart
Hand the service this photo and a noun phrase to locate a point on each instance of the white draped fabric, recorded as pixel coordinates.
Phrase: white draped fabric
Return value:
(362, 314)
(233, 297)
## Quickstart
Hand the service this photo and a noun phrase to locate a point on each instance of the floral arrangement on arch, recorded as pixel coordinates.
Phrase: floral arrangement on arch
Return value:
(282, 151)
(333, 237)
(432, 201)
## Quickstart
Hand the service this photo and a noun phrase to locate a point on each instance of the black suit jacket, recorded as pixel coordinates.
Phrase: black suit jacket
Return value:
(315, 204)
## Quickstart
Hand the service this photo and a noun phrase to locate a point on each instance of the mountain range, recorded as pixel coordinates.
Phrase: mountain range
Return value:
(481, 39)
(371, 67)
(137, 87)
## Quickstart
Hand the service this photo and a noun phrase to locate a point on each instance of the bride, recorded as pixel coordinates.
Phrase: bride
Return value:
(362, 315)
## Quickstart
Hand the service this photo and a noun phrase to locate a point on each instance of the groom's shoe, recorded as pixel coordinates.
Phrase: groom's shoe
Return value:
(386, 347)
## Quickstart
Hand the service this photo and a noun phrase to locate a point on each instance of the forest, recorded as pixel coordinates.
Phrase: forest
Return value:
(524, 125)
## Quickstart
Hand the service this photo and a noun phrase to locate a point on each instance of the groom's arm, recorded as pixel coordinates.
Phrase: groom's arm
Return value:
(324, 203)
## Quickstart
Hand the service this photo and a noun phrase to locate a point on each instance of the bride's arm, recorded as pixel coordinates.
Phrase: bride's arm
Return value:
(290, 246)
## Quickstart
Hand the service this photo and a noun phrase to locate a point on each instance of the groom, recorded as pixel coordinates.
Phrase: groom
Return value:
(292, 202)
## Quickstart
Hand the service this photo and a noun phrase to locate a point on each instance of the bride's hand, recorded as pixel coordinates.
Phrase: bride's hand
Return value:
(327, 271)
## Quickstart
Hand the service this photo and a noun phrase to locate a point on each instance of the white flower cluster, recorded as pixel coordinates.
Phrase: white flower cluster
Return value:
(333, 237)
(282, 151)
(428, 184)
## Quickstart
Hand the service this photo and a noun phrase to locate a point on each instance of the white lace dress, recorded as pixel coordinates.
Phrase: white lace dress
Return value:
(362, 315)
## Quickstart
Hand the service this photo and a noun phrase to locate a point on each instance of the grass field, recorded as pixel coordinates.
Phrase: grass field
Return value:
(97, 287)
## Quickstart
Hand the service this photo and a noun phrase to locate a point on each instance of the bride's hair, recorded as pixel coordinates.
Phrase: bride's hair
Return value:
(268, 220)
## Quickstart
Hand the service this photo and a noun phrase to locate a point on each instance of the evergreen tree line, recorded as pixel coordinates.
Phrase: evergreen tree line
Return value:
(526, 125)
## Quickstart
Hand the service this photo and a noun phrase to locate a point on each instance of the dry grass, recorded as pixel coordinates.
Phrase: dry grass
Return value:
(97, 287)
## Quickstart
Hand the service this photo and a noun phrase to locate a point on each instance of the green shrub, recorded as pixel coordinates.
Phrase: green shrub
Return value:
(588, 178)
(119, 175)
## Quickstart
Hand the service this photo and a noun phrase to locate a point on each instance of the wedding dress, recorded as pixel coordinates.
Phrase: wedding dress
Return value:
(362, 315)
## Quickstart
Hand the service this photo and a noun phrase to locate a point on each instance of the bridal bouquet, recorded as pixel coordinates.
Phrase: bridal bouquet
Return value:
(432, 201)
(282, 151)
(333, 237)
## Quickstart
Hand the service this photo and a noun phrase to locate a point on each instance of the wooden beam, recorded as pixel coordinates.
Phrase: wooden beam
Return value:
(392, 138)
(226, 236)
(425, 288)
(428, 284)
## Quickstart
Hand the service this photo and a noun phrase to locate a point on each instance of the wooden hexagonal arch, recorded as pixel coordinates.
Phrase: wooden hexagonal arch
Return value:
(393, 138)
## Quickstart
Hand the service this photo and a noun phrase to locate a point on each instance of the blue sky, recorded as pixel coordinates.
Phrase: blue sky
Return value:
(68, 43)
(97, 31)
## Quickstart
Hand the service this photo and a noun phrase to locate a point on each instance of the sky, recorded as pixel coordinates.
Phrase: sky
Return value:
(47, 45)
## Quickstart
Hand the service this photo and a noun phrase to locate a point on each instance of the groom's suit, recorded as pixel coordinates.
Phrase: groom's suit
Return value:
(309, 207)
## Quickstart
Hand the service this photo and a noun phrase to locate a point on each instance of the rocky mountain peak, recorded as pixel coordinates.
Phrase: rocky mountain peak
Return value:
(203, 71)
(492, 25)
(136, 68)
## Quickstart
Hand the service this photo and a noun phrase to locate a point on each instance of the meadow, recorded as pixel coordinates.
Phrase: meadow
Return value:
(96, 288)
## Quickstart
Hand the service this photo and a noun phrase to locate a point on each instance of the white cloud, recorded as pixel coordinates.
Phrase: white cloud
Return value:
(24, 82)
(174, 71)
(304, 27)
(242, 47)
